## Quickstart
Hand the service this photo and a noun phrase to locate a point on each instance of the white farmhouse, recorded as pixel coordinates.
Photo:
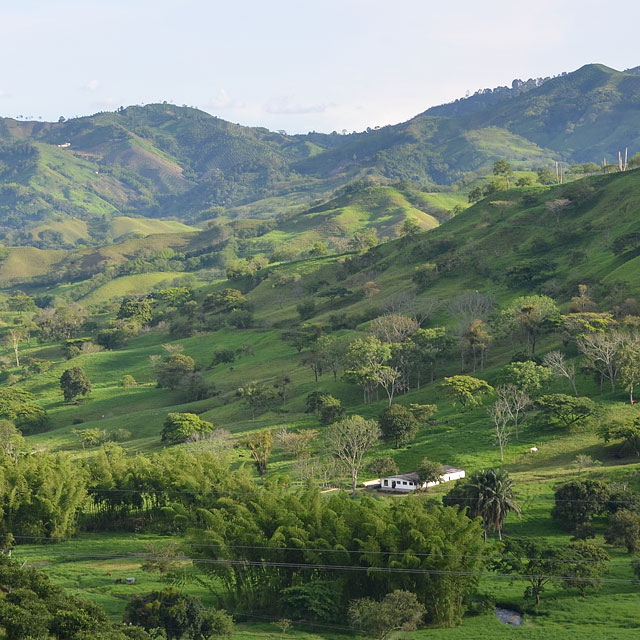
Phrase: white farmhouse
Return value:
(411, 481)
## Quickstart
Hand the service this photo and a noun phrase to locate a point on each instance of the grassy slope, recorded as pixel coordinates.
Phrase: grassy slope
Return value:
(462, 439)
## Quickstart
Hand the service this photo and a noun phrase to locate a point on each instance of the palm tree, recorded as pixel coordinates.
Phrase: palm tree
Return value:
(492, 491)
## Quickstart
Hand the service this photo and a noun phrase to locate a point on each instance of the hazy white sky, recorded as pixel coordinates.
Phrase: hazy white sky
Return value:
(297, 65)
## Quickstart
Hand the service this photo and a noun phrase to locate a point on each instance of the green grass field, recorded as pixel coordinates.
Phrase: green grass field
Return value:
(487, 237)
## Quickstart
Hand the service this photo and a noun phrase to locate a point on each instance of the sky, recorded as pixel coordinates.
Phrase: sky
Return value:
(298, 66)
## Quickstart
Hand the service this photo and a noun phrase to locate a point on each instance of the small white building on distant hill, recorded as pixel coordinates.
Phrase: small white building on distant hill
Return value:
(406, 482)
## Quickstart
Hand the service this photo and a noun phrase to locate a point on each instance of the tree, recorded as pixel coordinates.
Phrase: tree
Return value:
(500, 415)
(399, 610)
(495, 498)
(318, 600)
(629, 363)
(313, 401)
(258, 396)
(260, 445)
(556, 207)
(475, 341)
(476, 194)
(487, 494)
(180, 427)
(177, 613)
(466, 389)
(331, 409)
(128, 381)
(567, 411)
(171, 371)
(410, 228)
(21, 302)
(582, 565)
(21, 408)
(532, 315)
(89, 437)
(61, 323)
(602, 351)
(383, 466)
(430, 471)
(433, 344)
(74, 382)
(625, 430)
(331, 353)
(504, 169)
(398, 424)
(535, 561)
(349, 440)
(556, 361)
(223, 356)
(624, 530)
(516, 402)
(527, 376)
(15, 337)
(393, 327)
(281, 387)
(11, 440)
(139, 310)
(577, 502)
(388, 378)
(425, 274)
(365, 357)
(306, 309)
(297, 445)
(224, 301)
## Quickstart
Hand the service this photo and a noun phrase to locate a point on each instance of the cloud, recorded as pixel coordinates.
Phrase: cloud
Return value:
(287, 106)
(92, 85)
(223, 100)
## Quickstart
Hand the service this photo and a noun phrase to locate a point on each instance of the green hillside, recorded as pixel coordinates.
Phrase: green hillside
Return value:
(163, 161)
(152, 247)
(515, 243)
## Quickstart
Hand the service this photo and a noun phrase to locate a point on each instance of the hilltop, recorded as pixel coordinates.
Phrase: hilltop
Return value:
(63, 183)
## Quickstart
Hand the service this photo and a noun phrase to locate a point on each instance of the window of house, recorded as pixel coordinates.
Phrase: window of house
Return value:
(386, 483)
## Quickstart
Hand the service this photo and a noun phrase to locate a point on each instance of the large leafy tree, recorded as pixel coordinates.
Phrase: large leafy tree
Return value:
(171, 371)
(532, 316)
(139, 310)
(258, 396)
(577, 502)
(466, 390)
(533, 559)
(566, 411)
(626, 430)
(74, 382)
(398, 424)
(349, 440)
(624, 530)
(399, 610)
(527, 376)
(177, 613)
(20, 407)
(179, 427)
(583, 565)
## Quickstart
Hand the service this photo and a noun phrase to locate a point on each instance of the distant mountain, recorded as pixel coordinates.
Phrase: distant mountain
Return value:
(164, 161)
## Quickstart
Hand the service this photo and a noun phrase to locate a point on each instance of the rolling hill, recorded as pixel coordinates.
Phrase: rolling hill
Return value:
(163, 161)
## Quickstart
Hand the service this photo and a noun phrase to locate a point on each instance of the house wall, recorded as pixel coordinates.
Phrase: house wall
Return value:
(406, 485)
(401, 485)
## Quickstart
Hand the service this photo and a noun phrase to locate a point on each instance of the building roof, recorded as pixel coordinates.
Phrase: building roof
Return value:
(414, 476)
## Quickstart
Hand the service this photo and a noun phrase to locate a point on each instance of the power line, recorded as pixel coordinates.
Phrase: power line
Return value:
(330, 567)
(310, 549)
